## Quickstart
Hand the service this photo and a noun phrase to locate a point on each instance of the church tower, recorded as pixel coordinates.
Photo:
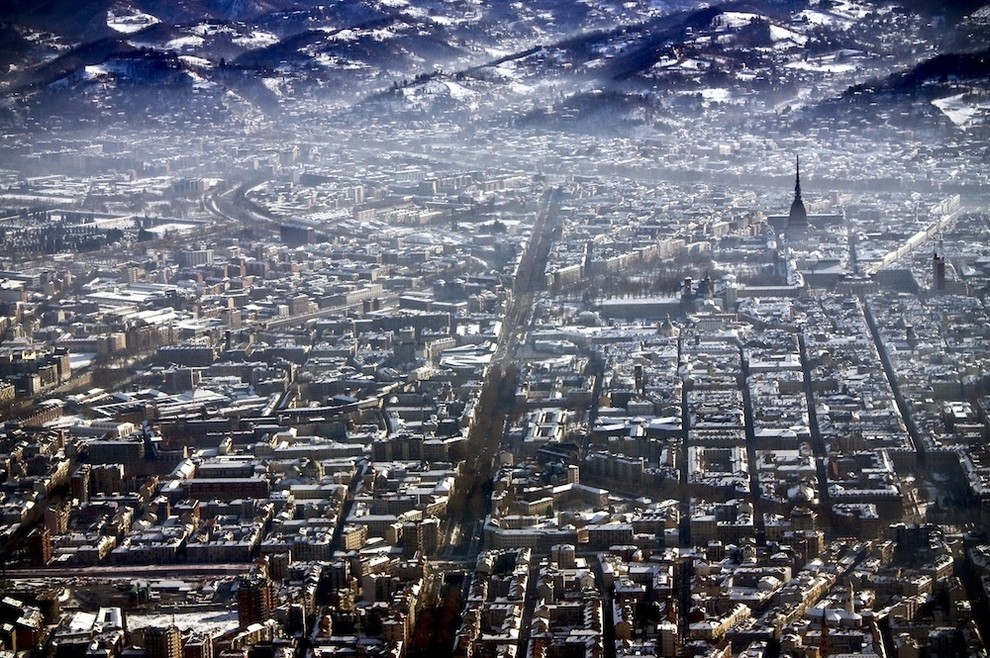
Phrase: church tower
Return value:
(798, 217)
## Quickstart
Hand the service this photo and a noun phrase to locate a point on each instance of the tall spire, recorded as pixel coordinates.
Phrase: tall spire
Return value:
(797, 176)
(797, 219)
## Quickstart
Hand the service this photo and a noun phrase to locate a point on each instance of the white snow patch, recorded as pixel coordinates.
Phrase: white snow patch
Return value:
(205, 29)
(274, 85)
(382, 34)
(110, 68)
(692, 64)
(256, 39)
(713, 95)
(436, 89)
(447, 21)
(850, 10)
(959, 111)
(333, 62)
(184, 43)
(199, 82)
(127, 20)
(821, 18)
(95, 71)
(823, 65)
(197, 62)
(778, 33)
(507, 70)
(716, 94)
(459, 92)
(416, 12)
(733, 19)
(80, 359)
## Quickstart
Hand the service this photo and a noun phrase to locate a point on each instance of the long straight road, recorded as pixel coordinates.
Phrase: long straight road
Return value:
(817, 442)
(498, 390)
(128, 571)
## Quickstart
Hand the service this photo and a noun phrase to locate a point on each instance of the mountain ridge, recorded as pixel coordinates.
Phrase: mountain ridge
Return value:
(531, 59)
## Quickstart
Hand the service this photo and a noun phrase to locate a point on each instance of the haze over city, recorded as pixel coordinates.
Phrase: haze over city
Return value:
(534, 329)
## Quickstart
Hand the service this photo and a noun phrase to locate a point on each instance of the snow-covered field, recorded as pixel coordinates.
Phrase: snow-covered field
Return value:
(128, 21)
(256, 39)
(182, 43)
(960, 111)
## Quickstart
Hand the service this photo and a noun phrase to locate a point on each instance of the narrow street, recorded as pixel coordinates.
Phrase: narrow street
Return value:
(902, 406)
(817, 442)
(759, 522)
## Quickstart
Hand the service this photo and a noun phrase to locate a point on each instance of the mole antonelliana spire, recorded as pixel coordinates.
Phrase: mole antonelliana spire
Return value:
(798, 217)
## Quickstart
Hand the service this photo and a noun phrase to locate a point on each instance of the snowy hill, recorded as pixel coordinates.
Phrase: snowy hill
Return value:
(537, 61)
